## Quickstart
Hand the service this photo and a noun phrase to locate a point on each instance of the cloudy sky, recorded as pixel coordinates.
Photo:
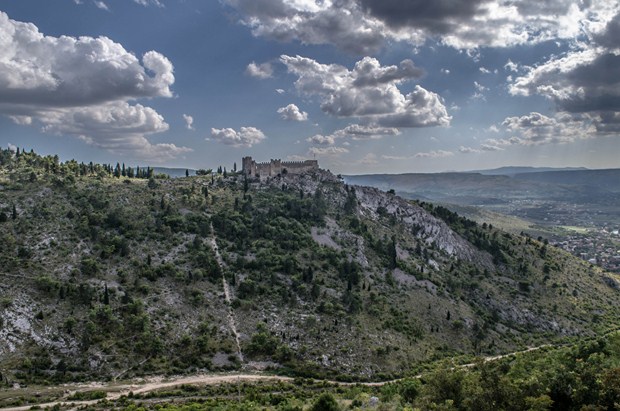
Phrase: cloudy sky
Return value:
(362, 85)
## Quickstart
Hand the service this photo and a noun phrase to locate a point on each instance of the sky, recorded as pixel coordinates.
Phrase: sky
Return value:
(363, 86)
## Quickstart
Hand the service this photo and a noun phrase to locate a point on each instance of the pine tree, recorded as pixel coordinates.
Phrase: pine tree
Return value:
(106, 295)
(186, 173)
(14, 215)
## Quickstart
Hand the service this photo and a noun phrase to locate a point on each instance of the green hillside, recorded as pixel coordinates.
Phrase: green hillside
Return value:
(110, 276)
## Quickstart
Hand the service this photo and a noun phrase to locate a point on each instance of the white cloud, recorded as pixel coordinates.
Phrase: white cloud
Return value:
(292, 113)
(369, 91)
(511, 66)
(189, 121)
(468, 150)
(490, 147)
(484, 70)
(479, 87)
(261, 71)
(82, 87)
(370, 131)
(493, 129)
(321, 140)
(117, 127)
(245, 137)
(279, 91)
(354, 132)
(479, 93)
(536, 128)
(397, 158)
(581, 81)
(327, 151)
(101, 5)
(12, 147)
(146, 3)
(434, 154)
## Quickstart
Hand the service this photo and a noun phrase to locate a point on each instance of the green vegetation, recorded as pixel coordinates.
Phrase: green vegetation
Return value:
(110, 274)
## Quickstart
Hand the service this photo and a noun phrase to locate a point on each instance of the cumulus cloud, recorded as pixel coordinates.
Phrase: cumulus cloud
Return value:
(536, 128)
(584, 84)
(581, 81)
(245, 137)
(292, 113)
(364, 26)
(369, 91)
(322, 140)
(82, 87)
(117, 127)
(189, 121)
(586, 79)
(261, 71)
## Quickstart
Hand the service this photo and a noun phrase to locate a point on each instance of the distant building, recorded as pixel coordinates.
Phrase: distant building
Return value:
(251, 168)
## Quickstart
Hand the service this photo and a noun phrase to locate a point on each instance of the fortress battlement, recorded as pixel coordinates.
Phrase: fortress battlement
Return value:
(276, 166)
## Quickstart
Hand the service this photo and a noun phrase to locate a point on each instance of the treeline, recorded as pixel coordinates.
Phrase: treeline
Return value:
(53, 165)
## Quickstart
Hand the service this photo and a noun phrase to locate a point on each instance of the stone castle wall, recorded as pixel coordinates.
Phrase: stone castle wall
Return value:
(274, 167)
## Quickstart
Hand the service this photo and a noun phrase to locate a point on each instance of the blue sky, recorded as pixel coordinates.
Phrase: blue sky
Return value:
(362, 85)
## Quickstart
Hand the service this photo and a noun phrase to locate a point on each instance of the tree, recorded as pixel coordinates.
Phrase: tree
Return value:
(106, 295)
(186, 173)
(326, 402)
(392, 254)
(14, 215)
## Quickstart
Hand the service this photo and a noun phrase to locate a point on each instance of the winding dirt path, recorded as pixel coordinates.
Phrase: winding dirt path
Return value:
(115, 391)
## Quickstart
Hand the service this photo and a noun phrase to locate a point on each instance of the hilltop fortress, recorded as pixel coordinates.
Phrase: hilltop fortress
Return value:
(251, 168)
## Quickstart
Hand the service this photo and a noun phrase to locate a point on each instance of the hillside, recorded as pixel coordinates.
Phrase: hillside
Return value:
(107, 277)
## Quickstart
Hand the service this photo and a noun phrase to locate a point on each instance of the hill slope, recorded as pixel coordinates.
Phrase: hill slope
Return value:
(105, 276)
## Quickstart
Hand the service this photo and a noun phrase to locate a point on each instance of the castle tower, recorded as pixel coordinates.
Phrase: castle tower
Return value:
(248, 166)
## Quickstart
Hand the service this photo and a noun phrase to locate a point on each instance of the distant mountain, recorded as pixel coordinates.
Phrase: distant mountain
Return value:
(608, 179)
(513, 170)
